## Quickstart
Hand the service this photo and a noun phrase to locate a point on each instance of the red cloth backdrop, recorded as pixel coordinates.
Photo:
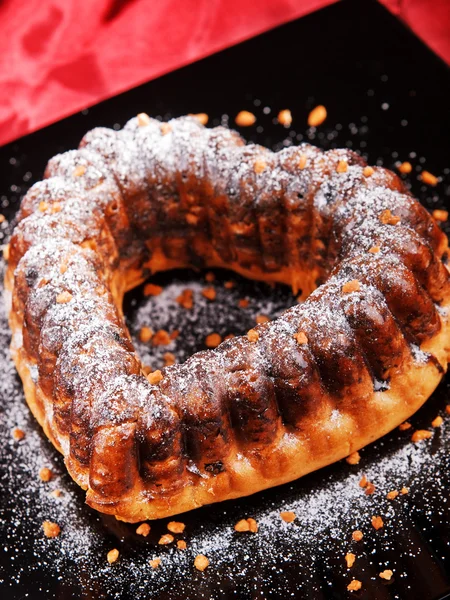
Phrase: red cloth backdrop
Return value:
(60, 56)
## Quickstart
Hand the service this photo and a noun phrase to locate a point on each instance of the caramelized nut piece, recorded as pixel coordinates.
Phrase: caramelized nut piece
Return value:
(165, 128)
(363, 482)
(404, 426)
(18, 434)
(437, 422)
(370, 488)
(404, 491)
(317, 116)
(203, 118)
(161, 338)
(300, 338)
(64, 297)
(210, 277)
(51, 530)
(43, 205)
(150, 289)
(302, 162)
(429, 178)
(143, 119)
(243, 303)
(167, 538)
(201, 562)
(354, 585)
(350, 559)
(209, 293)
(145, 334)
(262, 319)
(176, 527)
(155, 562)
(112, 556)
(259, 166)
(229, 285)
(405, 168)
(79, 171)
(155, 377)
(143, 529)
(387, 218)
(377, 523)
(181, 545)
(252, 335)
(368, 171)
(354, 458)
(421, 434)
(245, 119)
(351, 286)
(342, 167)
(374, 249)
(357, 535)
(288, 516)
(186, 299)
(213, 340)
(285, 117)
(392, 495)
(246, 525)
(45, 474)
(169, 359)
(56, 493)
(386, 574)
(440, 215)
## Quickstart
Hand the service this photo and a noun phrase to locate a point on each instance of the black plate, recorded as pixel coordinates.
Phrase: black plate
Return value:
(387, 96)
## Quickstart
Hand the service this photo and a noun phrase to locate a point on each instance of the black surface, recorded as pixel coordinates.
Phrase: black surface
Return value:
(354, 58)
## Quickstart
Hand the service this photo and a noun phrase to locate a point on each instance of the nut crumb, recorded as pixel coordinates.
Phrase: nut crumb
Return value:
(302, 162)
(112, 556)
(353, 458)
(79, 171)
(374, 249)
(203, 118)
(386, 574)
(317, 116)
(150, 289)
(377, 523)
(350, 559)
(387, 218)
(392, 495)
(262, 319)
(161, 338)
(176, 527)
(363, 481)
(301, 338)
(429, 178)
(440, 215)
(181, 545)
(354, 585)
(404, 491)
(213, 340)
(165, 128)
(210, 277)
(209, 293)
(169, 359)
(201, 562)
(2, 218)
(246, 525)
(145, 334)
(56, 493)
(51, 530)
(447, 409)
(421, 434)
(288, 516)
(351, 286)
(252, 335)
(437, 422)
(143, 529)
(155, 562)
(229, 285)
(368, 171)
(45, 474)
(143, 119)
(405, 168)
(285, 117)
(342, 166)
(186, 299)
(404, 426)
(64, 297)
(167, 538)
(245, 119)
(370, 488)
(357, 535)
(6, 252)
(43, 205)
(155, 377)
(243, 303)
(18, 434)
(259, 166)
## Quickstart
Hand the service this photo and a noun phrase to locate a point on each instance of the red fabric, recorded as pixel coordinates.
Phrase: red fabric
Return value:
(60, 56)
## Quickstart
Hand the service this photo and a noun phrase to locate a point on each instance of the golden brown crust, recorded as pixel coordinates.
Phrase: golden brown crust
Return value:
(352, 362)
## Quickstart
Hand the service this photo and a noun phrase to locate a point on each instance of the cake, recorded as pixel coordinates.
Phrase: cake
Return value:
(362, 352)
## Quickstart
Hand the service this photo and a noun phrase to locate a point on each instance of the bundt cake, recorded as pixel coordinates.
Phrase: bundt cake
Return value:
(362, 353)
